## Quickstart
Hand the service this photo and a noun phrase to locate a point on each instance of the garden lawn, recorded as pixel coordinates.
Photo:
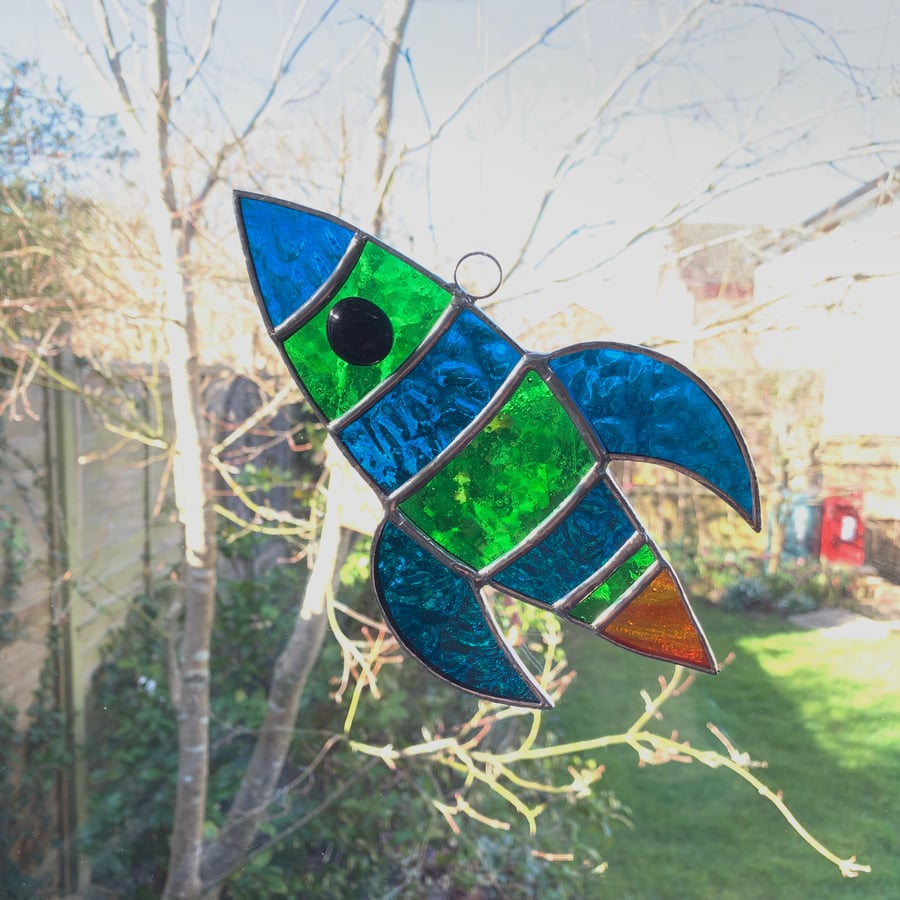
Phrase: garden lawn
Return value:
(823, 713)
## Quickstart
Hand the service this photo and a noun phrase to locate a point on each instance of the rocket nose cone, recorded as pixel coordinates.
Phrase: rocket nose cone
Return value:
(290, 251)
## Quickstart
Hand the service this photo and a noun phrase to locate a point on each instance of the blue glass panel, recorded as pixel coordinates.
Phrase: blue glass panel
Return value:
(410, 425)
(293, 252)
(644, 406)
(573, 551)
(434, 613)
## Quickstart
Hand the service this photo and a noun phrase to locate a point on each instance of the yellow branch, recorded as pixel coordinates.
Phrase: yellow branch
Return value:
(488, 768)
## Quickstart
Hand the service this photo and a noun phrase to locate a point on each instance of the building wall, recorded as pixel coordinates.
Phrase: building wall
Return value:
(834, 309)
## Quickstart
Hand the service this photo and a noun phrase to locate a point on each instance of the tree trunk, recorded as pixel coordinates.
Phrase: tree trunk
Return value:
(192, 477)
(193, 487)
(193, 490)
(288, 681)
(396, 18)
(296, 660)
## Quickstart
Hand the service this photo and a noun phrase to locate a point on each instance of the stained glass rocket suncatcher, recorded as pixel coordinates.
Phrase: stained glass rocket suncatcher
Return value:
(490, 462)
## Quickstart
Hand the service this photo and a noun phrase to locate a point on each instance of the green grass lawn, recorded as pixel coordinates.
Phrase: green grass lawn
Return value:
(823, 713)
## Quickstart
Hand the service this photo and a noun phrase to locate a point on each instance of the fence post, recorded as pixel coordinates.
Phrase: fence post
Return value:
(68, 609)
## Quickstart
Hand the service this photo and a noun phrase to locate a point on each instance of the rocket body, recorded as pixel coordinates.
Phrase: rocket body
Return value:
(490, 462)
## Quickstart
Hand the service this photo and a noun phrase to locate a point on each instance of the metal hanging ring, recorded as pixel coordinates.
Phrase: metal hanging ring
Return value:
(489, 256)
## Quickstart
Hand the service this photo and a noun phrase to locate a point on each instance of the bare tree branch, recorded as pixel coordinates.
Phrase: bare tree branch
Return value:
(710, 187)
(503, 66)
(689, 20)
(702, 199)
(397, 13)
(203, 55)
(120, 94)
(294, 664)
(299, 823)
(390, 166)
(113, 56)
(843, 65)
(284, 59)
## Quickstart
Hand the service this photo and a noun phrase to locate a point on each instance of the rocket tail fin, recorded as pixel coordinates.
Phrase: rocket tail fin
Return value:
(442, 620)
(645, 406)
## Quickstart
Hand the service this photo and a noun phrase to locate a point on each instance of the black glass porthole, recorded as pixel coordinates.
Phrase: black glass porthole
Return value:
(359, 331)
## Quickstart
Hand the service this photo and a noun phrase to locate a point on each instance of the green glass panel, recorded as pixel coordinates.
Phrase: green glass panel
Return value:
(412, 301)
(524, 463)
(604, 595)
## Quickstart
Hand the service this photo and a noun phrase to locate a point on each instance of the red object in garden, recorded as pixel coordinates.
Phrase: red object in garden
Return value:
(842, 530)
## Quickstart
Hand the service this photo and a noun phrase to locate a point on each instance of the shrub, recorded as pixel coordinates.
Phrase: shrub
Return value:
(795, 602)
(784, 592)
(752, 594)
(346, 823)
(710, 572)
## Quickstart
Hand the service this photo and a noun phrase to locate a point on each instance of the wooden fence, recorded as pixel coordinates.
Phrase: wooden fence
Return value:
(89, 522)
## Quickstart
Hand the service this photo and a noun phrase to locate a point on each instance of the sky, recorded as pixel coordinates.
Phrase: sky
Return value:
(756, 91)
